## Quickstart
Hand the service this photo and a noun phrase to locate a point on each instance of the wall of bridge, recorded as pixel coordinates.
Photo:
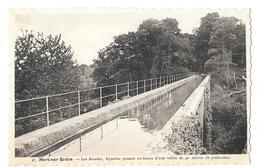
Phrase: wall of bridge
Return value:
(38, 142)
(195, 105)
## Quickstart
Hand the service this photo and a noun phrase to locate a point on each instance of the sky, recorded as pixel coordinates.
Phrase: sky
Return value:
(89, 30)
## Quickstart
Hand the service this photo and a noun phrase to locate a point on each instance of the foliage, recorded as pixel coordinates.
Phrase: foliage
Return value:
(201, 39)
(85, 79)
(157, 48)
(226, 35)
(185, 138)
(232, 141)
(229, 131)
(43, 65)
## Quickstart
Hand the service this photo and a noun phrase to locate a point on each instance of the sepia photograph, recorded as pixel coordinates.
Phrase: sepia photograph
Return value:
(129, 85)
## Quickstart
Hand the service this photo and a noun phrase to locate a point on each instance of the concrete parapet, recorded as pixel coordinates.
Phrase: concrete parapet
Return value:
(193, 106)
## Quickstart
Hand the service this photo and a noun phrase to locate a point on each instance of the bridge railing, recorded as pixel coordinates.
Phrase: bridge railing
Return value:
(39, 112)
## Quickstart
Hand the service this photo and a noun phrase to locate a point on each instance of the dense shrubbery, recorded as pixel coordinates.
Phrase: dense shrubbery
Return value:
(229, 124)
(186, 137)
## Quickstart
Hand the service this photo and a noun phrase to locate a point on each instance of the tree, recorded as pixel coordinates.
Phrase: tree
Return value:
(202, 37)
(222, 42)
(43, 65)
(119, 62)
(148, 35)
(85, 79)
(239, 49)
(157, 48)
(219, 46)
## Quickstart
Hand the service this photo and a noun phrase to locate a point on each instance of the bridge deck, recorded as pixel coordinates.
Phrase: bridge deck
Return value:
(124, 137)
(34, 143)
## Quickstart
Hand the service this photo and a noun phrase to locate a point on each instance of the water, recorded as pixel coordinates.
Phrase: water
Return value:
(134, 133)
